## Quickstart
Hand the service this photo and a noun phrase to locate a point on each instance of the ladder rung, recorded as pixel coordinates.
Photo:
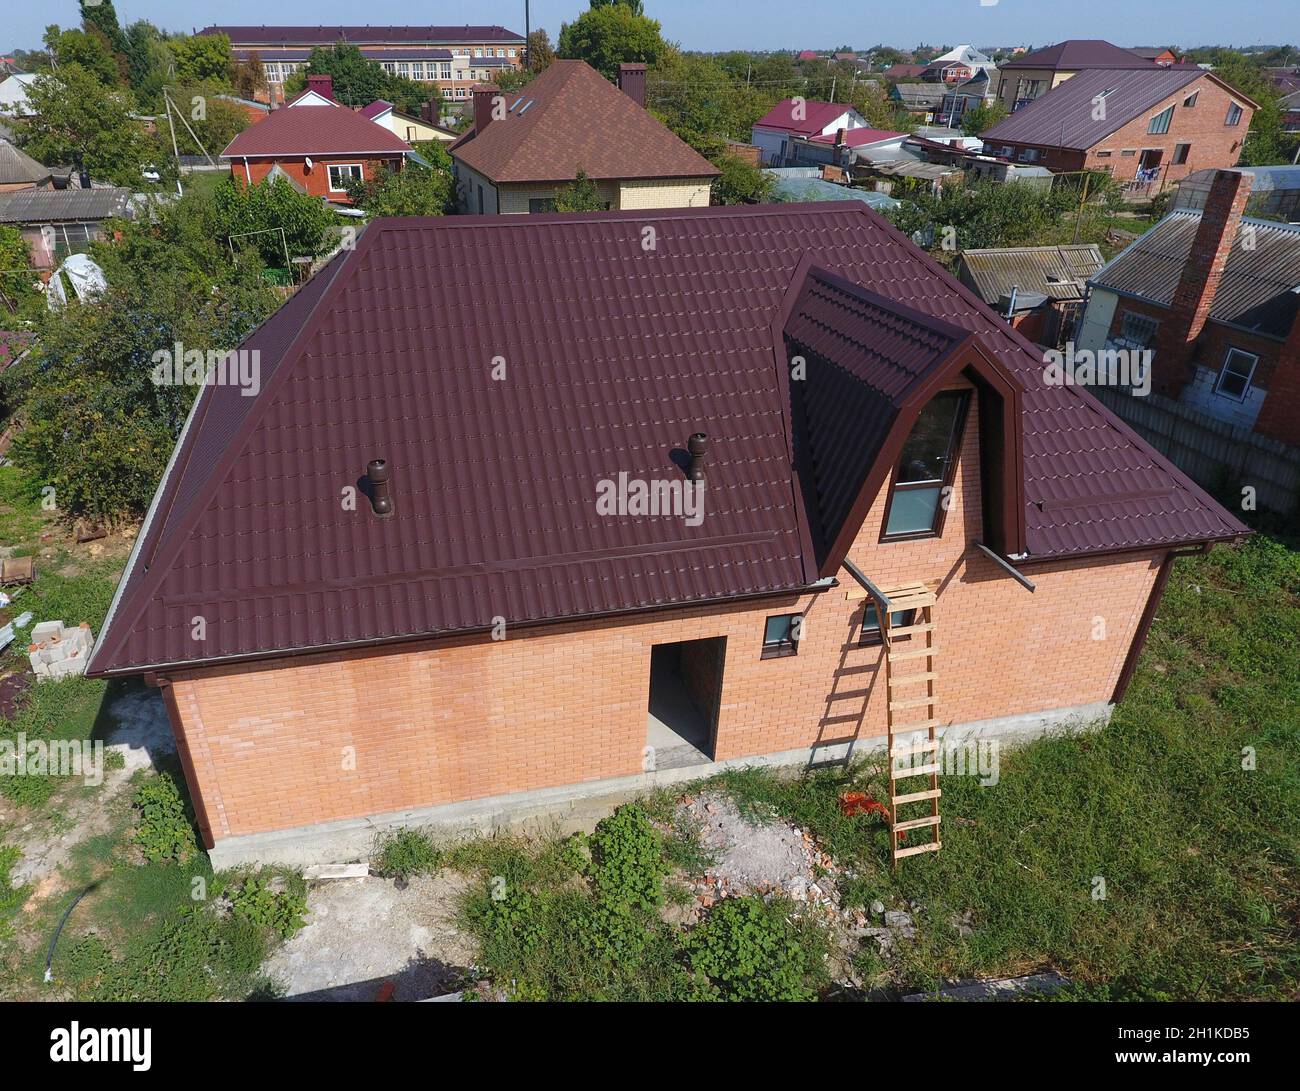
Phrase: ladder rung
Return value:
(913, 588)
(912, 702)
(902, 657)
(908, 630)
(919, 771)
(928, 676)
(916, 823)
(916, 797)
(913, 600)
(918, 748)
(933, 846)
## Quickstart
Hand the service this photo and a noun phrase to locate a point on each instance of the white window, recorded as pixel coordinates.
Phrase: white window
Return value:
(272, 72)
(1234, 115)
(417, 70)
(510, 52)
(446, 71)
(343, 173)
(1234, 378)
(478, 52)
(404, 69)
(388, 66)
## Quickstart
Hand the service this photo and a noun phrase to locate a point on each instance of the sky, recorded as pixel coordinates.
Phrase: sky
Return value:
(749, 24)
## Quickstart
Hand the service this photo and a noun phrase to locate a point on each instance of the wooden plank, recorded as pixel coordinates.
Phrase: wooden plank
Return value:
(919, 748)
(916, 823)
(911, 630)
(903, 657)
(916, 797)
(933, 846)
(919, 771)
(914, 702)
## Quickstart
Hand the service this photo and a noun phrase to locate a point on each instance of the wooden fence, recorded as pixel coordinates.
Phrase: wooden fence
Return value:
(1214, 454)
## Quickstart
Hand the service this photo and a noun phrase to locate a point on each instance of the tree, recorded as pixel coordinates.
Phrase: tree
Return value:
(740, 183)
(694, 96)
(203, 58)
(254, 216)
(414, 190)
(982, 118)
(68, 47)
(1266, 141)
(986, 215)
(580, 195)
(99, 20)
(216, 120)
(250, 76)
(607, 36)
(359, 81)
(540, 51)
(636, 7)
(147, 61)
(19, 297)
(76, 115)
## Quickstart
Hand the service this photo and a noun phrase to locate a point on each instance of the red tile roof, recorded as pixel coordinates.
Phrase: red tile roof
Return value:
(614, 355)
(315, 130)
(856, 138)
(570, 118)
(814, 116)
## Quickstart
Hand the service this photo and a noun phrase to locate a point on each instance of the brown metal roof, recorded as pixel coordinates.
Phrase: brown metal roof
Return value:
(1258, 290)
(571, 118)
(1077, 53)
(1058, 272)
(315, 130)
(615, 354)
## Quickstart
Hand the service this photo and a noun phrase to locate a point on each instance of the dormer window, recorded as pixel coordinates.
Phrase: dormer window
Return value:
(925, 470)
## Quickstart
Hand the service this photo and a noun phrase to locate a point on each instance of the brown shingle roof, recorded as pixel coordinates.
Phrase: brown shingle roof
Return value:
(315, 130)
(570, 118)
(615, 355)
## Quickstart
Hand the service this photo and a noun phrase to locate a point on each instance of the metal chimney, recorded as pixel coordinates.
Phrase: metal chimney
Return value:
(695, 446)
(381, 502)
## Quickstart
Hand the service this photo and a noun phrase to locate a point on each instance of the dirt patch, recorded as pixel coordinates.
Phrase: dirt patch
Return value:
(365, 938)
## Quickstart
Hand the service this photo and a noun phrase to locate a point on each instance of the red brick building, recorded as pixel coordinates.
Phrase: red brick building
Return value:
(1213, 294)
(1151, 125)
(317, 143)
(386, 586)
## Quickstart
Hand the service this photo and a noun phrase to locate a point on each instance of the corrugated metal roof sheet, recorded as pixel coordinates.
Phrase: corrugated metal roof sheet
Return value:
(17, 167)
(810, 117)
(1058, 272)
(37, 206)
(1257, 288)
(1066, 117)
(615, 354)
(1076, 53)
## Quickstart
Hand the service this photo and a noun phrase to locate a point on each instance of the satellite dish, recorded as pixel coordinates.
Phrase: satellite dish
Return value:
(308, 162)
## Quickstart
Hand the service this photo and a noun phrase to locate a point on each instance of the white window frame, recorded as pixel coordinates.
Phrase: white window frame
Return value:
(330, 168)
(1223, 371)
(1233, 119)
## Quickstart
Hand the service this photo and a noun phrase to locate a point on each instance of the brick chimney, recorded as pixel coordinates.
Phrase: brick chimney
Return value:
(484, 94)
(322, 85)
(631, 81)
(1215, 236)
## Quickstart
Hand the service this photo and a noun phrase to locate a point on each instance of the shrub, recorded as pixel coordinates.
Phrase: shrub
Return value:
(747, 949)
(258, 903)
(162, 830)
(627, 860)
(403, 853)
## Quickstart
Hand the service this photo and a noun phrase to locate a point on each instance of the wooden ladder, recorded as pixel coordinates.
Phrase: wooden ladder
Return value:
(904, 698)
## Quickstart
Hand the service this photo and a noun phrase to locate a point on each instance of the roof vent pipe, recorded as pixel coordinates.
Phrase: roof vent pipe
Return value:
(380, 500)
(695, 447)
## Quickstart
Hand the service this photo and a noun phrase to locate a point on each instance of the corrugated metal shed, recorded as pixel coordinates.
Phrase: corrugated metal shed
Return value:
(1257, 291)
(1058, 272)
(615, 354)
(40, 206)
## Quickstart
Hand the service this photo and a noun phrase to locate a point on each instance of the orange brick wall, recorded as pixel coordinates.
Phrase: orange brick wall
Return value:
(432, 723)
(317, 180)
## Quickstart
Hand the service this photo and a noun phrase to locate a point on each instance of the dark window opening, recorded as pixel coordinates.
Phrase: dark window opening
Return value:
(871, 634)
(1234, 378)
(541, 204)
(1181, 151)
(781, 636)
(916, 505)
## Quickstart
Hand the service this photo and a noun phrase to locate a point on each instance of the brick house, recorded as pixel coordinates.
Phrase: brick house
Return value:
(1214, 295)
(321, 581)
(1151, 126)
(526, 145)
(1029, 76)
(317, 143)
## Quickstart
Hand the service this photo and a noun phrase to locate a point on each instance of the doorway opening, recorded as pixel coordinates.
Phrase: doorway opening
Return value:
(685, 699)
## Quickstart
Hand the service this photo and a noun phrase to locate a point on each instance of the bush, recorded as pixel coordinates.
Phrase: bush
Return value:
(627, 860)
(747, 949)
(163, 832)
(403, 853)
(256, 902)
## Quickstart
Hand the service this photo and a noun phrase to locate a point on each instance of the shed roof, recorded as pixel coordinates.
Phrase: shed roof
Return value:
(1058, 272)
(615, 355)
(37, 206)
(17, 167)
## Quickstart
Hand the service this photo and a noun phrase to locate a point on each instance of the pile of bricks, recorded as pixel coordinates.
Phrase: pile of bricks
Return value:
(57, 651)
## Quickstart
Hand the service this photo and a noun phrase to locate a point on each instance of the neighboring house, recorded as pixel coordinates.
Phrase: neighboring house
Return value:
(317, 143)
(1274, 192)
(844, 147)
(904, 72)
(957, 65)
(13, 95)
(806, 55)
(570, 119)
(1215, 296)
(1039, 290)
(1157, 55)
(18, 170)
(254, 111)
(453, 57)
(791, 120)
(802, 184)
(1150, 126)
(413, 130)
(347, 676)
(58, 222)
(1031, 75)
(1290, 106)
(921, 100)
(969, 95)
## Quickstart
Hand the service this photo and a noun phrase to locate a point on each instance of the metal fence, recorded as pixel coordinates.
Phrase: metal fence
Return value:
(1216, 455)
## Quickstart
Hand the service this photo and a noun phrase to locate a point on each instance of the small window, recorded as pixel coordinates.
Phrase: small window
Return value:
(541, 204)
(781, 636)
(925, 469)
(1128, 152)
(343, 173)
(1234, 380)
(1234, 115)
(1190, 100)
(1138, 329)
(1160, 123)
(870, 633)
(1103, 155)
(1181, 151)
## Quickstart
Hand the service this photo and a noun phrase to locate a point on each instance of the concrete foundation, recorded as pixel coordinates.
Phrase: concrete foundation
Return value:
(574, 807)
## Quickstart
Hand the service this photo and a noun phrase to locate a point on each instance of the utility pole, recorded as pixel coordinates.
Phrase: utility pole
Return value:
(528, 33)
(833, 79)
(176, 153)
